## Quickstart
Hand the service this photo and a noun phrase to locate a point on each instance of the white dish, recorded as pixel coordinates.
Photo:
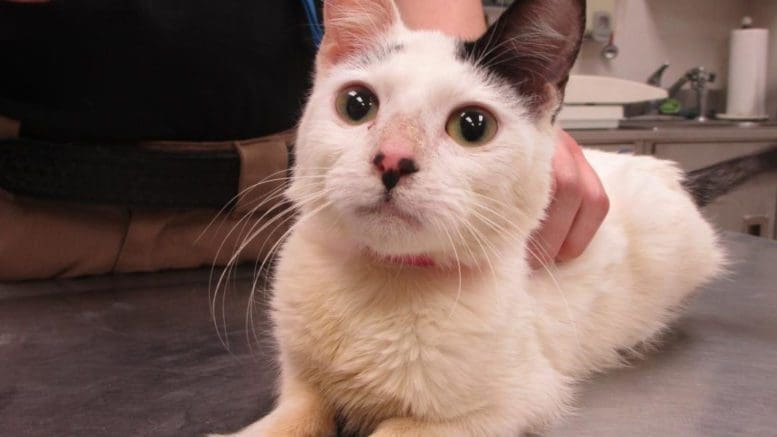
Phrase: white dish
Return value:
(603, 90)
(742, 117)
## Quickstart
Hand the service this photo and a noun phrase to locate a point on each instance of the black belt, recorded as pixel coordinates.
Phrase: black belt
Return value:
(119, 175)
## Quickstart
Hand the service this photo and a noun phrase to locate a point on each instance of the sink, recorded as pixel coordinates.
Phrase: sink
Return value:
(661, 123)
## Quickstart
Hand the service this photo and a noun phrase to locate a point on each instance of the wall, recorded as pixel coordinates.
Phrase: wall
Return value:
(764, 13)
(685, 33)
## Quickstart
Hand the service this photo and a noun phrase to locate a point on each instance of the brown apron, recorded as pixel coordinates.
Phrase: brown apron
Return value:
(47, 239)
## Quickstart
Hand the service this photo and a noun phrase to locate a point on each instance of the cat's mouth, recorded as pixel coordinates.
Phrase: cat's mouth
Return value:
(389, 211)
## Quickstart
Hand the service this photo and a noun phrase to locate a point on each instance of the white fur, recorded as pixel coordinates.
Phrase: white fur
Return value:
(480, 345)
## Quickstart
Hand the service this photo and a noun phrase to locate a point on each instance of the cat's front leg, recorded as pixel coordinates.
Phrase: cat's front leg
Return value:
(474, 426)
(301, 412)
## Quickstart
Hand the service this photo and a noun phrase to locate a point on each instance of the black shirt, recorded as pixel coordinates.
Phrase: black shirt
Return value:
(154, 69)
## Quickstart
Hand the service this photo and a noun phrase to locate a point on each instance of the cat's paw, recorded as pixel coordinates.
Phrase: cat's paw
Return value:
(397, 432)
(401, 427)
(288, 424)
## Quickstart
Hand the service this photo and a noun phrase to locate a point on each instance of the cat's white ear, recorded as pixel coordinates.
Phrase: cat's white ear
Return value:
(353, 25)
(533, 45)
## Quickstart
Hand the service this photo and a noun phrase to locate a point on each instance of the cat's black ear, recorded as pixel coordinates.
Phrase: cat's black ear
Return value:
(533, 46)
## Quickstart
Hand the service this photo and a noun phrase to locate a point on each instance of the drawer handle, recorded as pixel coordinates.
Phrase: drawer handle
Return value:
(755, 225)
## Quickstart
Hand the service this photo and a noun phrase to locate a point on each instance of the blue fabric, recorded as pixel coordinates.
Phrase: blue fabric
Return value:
(315, 26)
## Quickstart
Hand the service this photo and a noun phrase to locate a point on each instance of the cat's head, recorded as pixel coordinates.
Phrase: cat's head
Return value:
(414, 143)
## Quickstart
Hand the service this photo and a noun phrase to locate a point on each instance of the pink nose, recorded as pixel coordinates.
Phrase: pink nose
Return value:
(393, 166)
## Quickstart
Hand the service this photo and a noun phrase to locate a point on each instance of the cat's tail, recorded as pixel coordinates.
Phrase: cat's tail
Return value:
(708, 183)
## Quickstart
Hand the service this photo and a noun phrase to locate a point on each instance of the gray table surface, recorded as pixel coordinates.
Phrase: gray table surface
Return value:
(134, 355)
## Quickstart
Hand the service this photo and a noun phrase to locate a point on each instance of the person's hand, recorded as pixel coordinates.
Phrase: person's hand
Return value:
(578, 208)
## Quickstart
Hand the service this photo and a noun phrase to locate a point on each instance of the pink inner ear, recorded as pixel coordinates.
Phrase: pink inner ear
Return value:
(352, 25)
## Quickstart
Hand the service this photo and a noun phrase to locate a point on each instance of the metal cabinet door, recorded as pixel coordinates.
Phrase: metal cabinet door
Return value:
(750, 208)
(630, 148)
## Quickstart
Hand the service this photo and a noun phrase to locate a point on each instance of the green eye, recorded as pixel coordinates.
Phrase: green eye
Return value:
(357, 104)
(471, 126)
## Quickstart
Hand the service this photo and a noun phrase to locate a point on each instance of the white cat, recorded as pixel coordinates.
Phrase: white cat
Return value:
(403, 302)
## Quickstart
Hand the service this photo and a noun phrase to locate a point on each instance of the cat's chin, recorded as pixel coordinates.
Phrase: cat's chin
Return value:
(388, 215)
(386, 229)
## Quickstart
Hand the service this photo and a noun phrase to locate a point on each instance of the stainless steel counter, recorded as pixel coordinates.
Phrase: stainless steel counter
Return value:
(767, 133)
(138, 355)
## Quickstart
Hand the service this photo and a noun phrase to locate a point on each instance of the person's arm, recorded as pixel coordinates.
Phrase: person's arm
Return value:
(461, 18)
(578, 208)
(579, 203)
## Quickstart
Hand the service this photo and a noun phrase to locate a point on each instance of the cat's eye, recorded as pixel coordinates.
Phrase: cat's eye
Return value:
(357, 104)
(471, 126)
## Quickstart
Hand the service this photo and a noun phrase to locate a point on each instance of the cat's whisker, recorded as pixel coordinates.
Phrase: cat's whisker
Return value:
(480, 239)
(510, 52)
(285, 215)
(223, 282)
(246, 216)
(458, 268)
(548, 269)
(270, 197)
(303, 219)
(224, 278)
(489, 50)
(273, 195)
(471, 254)
(532, 43)
(250, 325)
(266, 180)
(229, 267)
(259, 271)
(518, 235)
(477, 236)
(262, 248)
(258, 222)
(237, 196)
(269, 178)
(254, 232)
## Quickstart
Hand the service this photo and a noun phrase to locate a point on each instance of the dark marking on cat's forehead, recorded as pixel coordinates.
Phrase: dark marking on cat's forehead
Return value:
(464, 51)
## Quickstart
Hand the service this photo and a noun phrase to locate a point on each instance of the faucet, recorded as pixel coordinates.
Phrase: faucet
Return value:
(655, 78)
(699, 77)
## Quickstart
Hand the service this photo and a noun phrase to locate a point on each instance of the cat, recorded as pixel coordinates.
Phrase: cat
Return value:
(403, 302)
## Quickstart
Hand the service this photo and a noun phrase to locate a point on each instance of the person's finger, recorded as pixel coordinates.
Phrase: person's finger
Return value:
(560, 215)
(593, 209)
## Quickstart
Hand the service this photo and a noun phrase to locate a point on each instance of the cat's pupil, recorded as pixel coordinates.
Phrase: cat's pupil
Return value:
(358, 104)
(473, 125)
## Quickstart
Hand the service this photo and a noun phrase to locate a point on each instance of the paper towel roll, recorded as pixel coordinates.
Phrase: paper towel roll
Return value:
(747, 73)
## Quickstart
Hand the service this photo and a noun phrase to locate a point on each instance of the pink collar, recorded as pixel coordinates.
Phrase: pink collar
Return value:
(412, 260)
(403, 260)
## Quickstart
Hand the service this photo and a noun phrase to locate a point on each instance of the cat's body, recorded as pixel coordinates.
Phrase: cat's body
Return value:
(391, 341)
(470, 341)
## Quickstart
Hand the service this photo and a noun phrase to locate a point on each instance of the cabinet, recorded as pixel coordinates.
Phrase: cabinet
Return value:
(631, 148)
(751, 208)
